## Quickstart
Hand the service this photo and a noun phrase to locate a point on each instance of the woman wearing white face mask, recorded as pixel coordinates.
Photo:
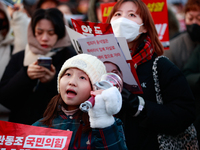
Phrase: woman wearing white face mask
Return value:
(122, 27)
(143, 117)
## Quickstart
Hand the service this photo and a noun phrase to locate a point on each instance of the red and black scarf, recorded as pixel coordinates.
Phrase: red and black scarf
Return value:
(144, 54)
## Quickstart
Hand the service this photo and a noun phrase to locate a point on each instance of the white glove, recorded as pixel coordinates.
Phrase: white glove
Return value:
(108, 103)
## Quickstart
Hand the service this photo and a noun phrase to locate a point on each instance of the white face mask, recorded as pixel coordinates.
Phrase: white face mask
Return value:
(124, 27)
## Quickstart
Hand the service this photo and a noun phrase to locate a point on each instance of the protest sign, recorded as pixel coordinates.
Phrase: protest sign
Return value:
(106, 48)
(80, 33)
(105, 10)
(135, 87)
(124, 47)
(74, 36)
(15, 136)
(91, 28)
(159, 12)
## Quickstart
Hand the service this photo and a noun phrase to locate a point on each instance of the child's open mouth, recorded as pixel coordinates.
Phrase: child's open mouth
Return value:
(71, 93)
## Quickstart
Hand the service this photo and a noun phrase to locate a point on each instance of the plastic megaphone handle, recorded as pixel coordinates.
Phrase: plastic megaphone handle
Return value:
(103, 84)
(87, 104)
(91, 101)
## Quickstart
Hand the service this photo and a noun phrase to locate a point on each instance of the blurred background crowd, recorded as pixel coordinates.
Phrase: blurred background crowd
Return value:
(14, 22)
(184, 39)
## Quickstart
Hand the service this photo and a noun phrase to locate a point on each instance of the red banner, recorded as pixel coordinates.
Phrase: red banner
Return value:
(15, 136)
(105, 10)
(91, 28)
(159, 12)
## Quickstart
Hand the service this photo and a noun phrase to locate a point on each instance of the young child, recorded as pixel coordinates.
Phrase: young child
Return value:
(97, 129)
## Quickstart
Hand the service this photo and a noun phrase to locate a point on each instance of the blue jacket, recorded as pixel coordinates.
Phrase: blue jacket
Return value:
(111, 138)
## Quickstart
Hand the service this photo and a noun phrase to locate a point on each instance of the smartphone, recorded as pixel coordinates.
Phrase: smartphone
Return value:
(45, 62)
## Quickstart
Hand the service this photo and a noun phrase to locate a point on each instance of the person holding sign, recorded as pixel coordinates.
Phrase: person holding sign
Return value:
(144, 115)
(26, 87)
(97, 129)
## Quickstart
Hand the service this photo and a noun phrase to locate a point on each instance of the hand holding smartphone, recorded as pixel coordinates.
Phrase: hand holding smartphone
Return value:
(45, 62)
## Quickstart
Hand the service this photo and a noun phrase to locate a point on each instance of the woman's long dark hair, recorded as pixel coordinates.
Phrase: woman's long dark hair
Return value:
(54, 15)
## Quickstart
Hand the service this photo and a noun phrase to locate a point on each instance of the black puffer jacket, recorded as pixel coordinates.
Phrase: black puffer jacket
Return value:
(177, 112)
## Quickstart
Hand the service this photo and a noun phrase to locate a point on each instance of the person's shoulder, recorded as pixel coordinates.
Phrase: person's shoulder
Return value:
(69, 50)
(196, 51)
(118, 121)
(163, 60)
(198, 47)
(179, 37)
(166, 67)
(18, 57)
(19, 54)
(38, 123)
(178, 44)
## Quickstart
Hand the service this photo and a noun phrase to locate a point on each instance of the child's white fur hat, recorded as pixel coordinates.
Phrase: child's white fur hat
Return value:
(90, 64)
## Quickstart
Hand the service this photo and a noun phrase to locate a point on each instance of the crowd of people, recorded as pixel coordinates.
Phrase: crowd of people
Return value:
(50, 97)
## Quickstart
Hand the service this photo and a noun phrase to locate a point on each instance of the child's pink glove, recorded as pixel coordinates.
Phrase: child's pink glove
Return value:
(108, 103)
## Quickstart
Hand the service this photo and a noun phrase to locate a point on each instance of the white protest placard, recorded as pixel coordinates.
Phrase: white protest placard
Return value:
(73, 35)
(105, 47)
(124, 47)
